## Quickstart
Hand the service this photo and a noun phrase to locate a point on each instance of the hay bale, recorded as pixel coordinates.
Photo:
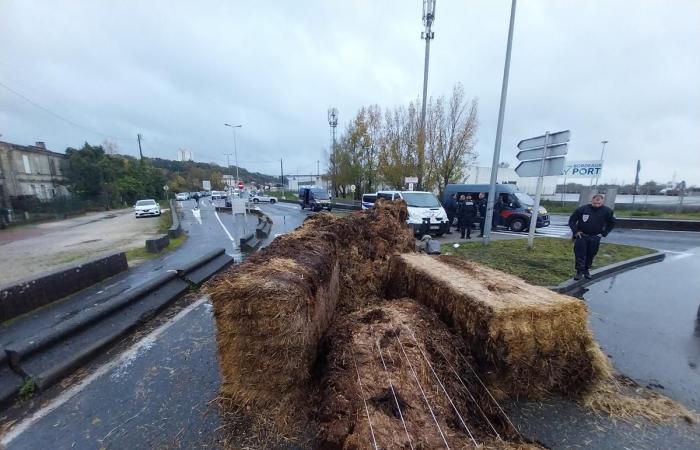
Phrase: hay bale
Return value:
(529, 340)
(272, 311)
(396, 327)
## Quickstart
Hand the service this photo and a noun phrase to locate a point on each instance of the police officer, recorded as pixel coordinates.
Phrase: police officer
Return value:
(466, 211)
(481, 206)
(588, 224)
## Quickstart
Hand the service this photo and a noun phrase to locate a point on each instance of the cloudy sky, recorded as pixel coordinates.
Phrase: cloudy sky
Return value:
(175, 71)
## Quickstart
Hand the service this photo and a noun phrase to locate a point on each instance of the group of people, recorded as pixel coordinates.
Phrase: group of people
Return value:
(467, 210)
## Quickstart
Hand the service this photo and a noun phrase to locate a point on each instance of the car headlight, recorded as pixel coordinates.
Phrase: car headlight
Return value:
(543, 210)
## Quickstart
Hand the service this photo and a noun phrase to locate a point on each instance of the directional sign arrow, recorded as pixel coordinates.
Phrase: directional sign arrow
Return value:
(552, 166)
(536, 153)
(554, 138)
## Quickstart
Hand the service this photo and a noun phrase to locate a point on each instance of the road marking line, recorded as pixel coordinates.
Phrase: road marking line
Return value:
(197, 215)
(222, 226)
(681, 256)
(24, 425)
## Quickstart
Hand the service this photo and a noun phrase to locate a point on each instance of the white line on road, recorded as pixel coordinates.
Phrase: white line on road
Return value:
(197, 215)
(24, 425)
(222, 226)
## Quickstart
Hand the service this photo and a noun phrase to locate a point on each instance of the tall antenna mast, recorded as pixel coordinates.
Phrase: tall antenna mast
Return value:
(333, 122)
(428, 35)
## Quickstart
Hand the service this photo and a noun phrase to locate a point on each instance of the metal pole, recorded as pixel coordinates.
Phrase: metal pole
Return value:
(563, 192)
(235, 151)
(428, 17)
(538, 194)
(602, 152)
(499, 131)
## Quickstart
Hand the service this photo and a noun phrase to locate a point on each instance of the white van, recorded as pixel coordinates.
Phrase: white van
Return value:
(425, 213)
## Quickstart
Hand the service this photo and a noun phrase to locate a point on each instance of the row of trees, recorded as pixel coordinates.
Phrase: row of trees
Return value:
(112, 180)
(382, 148)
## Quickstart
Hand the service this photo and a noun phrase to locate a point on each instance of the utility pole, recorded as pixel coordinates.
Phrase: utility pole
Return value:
(318, 169)
(499, 131)
(282, 176)
(428, 35)
(138, 137)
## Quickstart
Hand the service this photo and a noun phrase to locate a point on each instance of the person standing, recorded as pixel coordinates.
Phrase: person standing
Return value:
(482, 205)
(466, 211)
(589, 223)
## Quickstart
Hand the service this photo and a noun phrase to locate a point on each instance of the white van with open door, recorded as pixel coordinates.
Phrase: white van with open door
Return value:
(425, 213)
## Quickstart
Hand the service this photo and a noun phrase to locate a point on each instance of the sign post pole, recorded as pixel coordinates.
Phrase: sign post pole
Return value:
(538, 194)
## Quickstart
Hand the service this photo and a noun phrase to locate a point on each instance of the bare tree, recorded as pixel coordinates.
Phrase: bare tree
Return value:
(452, 136)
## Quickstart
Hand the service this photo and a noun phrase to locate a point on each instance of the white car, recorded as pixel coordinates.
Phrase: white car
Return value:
(216, 195)
(257, 198)
(425, 213)
(148, 207)
(182, 196)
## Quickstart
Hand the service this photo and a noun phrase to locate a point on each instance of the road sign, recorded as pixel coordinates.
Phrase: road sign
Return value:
(583, 169)
(206, 185)
(410, 186)
(411, 180)
(552, 166)
(241, 185)
(536, 153)
(352, 188)
(237, 205)
(554, 138)
(166, 187)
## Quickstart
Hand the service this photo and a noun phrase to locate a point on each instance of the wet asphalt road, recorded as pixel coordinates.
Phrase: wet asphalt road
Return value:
(158, 394)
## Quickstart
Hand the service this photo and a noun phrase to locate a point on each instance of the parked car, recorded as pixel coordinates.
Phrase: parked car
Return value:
(260, 197)
(425, 213)
(182, 196)
(515, 206)
(368, 200)
(148, 207)
(215, 195)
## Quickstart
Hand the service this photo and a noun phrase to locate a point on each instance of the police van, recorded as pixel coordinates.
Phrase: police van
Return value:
(425, 213)
(368, 200)
(513, 209)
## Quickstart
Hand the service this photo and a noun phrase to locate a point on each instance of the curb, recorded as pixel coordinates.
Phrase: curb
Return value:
(572, 286)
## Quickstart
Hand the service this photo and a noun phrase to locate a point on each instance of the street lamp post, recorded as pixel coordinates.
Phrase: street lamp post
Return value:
(235, 148)
(602, 153)
(428, 35)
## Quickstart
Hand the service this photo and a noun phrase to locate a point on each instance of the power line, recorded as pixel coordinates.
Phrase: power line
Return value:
(60, 117)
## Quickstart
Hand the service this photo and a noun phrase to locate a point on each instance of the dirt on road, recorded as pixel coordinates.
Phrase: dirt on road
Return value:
(29, 250)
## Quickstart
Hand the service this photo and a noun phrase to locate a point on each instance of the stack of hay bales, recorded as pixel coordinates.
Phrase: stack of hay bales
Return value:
(527, 339)
(410, 339)
(272, 311)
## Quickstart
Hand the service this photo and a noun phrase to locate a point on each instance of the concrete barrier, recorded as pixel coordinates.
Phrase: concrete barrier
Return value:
(27, 295)
(249, 242)
(263, 228)
(157, 244)
(658, 224)
(22, 349)
(175, 229)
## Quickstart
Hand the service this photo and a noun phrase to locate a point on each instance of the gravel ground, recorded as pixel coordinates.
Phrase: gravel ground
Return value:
(33, 249)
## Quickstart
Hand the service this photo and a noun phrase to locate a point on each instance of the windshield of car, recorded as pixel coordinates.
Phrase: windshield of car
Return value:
(320, 194)
(146, 203)
(421, 199)
(524, 199)
(369, 198)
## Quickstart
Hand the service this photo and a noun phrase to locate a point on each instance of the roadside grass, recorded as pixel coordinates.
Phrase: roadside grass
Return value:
(165, 221)
(555, 207)
(549, 263)
(137, 255)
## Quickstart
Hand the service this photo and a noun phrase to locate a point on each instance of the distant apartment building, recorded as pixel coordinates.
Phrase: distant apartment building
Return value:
(30, 170)
(184, 155)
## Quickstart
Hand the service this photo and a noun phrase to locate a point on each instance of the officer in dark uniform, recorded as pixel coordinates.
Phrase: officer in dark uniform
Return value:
(466, 211)
(482, 204)
(588, 224)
